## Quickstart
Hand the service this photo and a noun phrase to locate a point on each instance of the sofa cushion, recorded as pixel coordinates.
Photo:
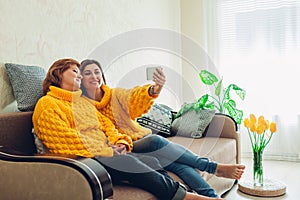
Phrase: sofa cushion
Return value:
(192, 123)
(210, 147)
(26, 82)
(7, 96)
(12, 107)
(131, 193)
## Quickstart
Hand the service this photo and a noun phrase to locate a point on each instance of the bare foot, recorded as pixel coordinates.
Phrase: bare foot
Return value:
(233, 171)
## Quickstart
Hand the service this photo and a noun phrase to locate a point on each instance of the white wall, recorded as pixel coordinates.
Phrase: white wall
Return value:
(38, 32)
(194, 27)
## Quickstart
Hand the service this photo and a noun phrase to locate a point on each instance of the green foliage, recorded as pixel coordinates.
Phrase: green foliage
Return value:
(222, 101)
(200, 104)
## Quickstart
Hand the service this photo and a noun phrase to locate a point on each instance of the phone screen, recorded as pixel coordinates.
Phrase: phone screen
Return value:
(150, 71)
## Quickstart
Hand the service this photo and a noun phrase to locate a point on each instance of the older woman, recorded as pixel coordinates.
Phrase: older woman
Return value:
(123, 106)
(69, 124)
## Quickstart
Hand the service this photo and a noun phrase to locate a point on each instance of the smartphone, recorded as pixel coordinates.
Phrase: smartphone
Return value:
(149, 72)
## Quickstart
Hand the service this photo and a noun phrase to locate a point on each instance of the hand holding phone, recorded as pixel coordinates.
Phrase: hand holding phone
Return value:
(157, 75)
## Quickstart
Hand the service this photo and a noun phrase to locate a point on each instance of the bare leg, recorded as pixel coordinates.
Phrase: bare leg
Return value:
(233, 171)
(193, 196)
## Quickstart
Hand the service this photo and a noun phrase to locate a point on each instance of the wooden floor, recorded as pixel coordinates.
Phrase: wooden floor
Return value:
(283, 171)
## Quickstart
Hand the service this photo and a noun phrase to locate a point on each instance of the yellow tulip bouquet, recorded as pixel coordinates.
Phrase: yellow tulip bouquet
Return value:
(260, 132)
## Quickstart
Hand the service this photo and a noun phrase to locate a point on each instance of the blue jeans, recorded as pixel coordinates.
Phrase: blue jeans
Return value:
(137, 170)
(179, 160)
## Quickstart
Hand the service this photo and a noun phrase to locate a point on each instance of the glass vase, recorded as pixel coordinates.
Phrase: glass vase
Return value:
(258, 178)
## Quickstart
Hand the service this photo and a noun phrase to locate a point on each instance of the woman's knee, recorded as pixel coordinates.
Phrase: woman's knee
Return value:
(150, 143)
(152, 138)
(158, 140)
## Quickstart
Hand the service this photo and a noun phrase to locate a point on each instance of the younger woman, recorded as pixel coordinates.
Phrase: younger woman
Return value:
(123, 106)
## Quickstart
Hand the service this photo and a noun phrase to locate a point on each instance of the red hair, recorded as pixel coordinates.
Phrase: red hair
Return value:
(54, 73)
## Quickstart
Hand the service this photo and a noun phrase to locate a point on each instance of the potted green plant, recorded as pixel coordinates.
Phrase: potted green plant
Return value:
(221, 101)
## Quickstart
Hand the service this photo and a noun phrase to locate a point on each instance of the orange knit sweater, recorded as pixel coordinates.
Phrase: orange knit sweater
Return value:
(68, 124)
(123, 106)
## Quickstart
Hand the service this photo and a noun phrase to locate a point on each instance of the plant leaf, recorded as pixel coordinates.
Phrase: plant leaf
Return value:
(202, 100)
(184, 109)
(229, 104)
(197, 106)
(207, 77)
(218, 88)
(210, 105)
(239, 91)
(235, 113)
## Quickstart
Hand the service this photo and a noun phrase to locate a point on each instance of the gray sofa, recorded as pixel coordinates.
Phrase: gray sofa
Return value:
(25, 174)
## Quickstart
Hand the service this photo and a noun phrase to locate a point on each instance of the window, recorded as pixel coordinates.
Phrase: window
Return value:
(259, 50)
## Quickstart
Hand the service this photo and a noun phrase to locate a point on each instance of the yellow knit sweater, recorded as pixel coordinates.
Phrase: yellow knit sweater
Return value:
(68, 124)
(123, 106)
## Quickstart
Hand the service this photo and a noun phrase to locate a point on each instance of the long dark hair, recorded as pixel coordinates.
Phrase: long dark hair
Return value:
(54, 73)
(85, 63)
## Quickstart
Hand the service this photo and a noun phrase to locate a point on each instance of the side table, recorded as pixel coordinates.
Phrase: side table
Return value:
(271, 188)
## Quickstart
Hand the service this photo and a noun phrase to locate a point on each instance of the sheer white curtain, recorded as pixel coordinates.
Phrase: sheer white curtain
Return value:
(259, 50)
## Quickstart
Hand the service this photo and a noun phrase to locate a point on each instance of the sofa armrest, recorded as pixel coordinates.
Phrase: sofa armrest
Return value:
(224, 126)
(52, 177)
(24, 173)
(17, 125)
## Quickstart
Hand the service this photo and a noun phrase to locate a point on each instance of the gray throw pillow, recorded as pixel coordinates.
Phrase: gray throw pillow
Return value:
(27, 83)
(192, 123)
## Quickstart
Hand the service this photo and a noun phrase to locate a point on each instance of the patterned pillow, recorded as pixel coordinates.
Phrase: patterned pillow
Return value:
(192, 123)
(158, 119)
(27, 83)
